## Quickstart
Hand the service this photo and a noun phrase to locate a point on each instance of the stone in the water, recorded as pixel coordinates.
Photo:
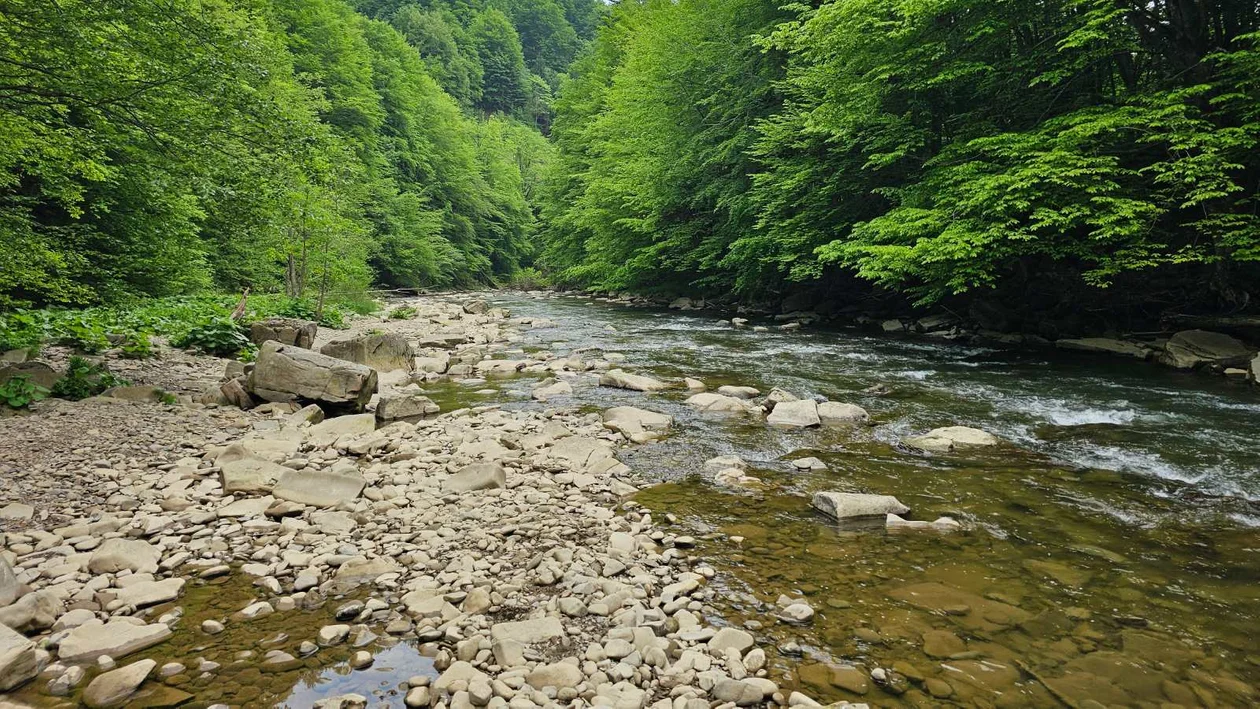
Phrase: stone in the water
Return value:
(739, 392)
(117, 638)
(849, 505)
(802, 413)
(1106, 345)
(634, 422)
(835, 413)
(1190, 349)
(114, 688)
(624, 380)
(950, 438)
(708, 401)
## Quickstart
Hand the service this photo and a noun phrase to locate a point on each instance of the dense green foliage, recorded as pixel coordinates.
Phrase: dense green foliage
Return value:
(934, 147)
(163, 148)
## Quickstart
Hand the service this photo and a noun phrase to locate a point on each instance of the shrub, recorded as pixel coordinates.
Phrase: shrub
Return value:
(305, 310)
(219, 336)
(83, 379)
(85, 334)
(137, 345)
(402, 312)
(20, 392)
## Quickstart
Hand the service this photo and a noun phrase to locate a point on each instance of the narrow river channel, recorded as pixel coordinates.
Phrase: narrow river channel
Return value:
(1110, 547)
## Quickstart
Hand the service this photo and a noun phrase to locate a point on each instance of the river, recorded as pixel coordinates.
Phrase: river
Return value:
(1110, 549)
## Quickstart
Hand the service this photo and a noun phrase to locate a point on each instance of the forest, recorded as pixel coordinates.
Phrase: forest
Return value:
(1051, 151)
(164, 147)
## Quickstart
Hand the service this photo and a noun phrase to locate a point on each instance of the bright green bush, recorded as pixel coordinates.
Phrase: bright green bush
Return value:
(84, 378)
(220, 337)
(20, 392)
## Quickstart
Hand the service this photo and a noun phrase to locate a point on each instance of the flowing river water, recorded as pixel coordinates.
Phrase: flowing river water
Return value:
(1110, 554)
(1111, 551)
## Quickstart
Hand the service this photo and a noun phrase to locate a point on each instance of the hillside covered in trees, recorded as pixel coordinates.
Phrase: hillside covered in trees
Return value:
(154, 147)
(1039, 151)
(1029, 152)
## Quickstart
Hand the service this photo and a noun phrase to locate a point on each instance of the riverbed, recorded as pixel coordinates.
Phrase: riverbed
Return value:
(1110, 546)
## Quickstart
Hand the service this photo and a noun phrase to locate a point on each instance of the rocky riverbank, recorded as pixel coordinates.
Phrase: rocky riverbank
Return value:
(500, 542)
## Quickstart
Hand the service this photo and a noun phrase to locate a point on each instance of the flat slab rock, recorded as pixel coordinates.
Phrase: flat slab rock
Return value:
(850, 505)
(320, 488)
(949, 438)
(117, 638)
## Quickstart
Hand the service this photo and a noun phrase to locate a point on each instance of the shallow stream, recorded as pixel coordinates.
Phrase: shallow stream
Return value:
(1111, 554)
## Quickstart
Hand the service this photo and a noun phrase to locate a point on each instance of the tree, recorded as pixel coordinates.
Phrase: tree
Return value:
(504, 80)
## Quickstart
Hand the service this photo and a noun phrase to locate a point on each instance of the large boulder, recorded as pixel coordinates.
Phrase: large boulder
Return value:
(383, 352)
(849, 505)
(636, 382)
(478, 476)
(321, 488)
(285, 373)
(18, 661)
(476, 307)
(286, 331)
(405, 405)
(1191, 349)
(802, 413)
(950, 438)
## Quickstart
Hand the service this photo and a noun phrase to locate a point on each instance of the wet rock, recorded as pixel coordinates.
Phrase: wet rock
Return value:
(951, 438)
(942, 644)
(286, 331)
(717, 403)
(1191, 349)
(834, 413)
(150, 592)
(1106, 345)
(361, 659)
(636, 424)
(802, 413)
(809, 463)
(114, 688)
(739, 392)
(117, 638)
(848, 505)
(283, 373)
(551, 390)
(797, 614)
(478, 476)
(18, 660)
(636, 382)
